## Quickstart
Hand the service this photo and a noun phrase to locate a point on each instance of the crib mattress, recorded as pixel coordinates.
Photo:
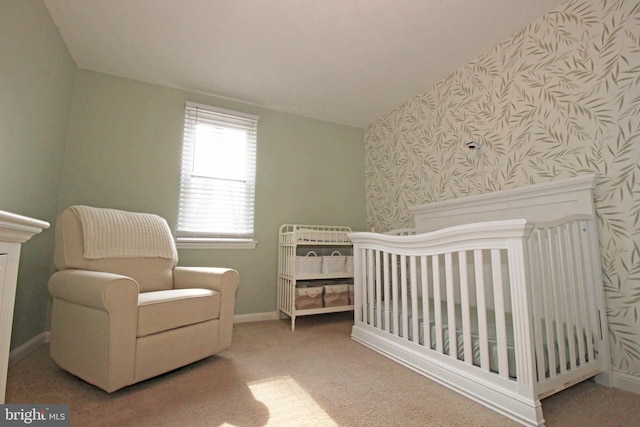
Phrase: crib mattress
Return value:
(475, 337)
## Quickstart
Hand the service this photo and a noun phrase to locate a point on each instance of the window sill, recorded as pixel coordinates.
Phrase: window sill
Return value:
(194, 243)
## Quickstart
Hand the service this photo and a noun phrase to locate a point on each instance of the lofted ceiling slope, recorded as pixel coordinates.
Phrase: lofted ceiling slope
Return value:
(343, 61)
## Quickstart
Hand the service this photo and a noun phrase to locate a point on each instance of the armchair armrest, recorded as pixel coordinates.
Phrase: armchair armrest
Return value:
(96, 317)
(220, 279)
(223, 280)
(94, 289)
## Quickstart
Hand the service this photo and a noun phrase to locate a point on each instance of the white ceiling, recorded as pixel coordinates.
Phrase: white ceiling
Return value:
(344, 61)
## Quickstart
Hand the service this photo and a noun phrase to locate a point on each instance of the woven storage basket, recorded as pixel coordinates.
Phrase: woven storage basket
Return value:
(335, 263)
(309, 264)
(336, 295)
(309, 297)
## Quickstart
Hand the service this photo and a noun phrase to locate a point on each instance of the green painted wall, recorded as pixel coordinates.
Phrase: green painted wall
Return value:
(124, 152)
(70, 136)
(36, 86)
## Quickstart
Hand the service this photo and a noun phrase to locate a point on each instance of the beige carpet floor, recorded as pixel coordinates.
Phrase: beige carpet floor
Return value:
(315, 376)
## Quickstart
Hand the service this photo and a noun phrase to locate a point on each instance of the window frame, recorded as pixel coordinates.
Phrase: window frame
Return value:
(204, 240)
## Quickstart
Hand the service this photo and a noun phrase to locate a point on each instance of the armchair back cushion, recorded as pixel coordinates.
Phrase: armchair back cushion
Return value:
(151, 273)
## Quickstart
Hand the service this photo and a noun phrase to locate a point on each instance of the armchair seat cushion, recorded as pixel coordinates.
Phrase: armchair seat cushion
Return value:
(160, 311)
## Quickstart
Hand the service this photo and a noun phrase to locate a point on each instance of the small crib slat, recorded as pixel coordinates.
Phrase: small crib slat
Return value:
(404, 297)
(437, 303)
(415, 317)
(359, 282)
(394, 294)
(451, 305)
(537, 302)
(464, 302)
(426, 314)
(585, 298)
(556, 288)
(583, 284)
(387, 291)
(483, 333)
(547, 260)
(378, 296)
(501, 324)
(370, 285)
(576, 267)
(568, 253)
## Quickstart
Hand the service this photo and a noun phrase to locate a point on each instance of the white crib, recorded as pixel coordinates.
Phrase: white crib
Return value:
(497, 296)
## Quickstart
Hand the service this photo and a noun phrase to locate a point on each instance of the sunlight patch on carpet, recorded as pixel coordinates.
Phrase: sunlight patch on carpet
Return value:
(288, 403)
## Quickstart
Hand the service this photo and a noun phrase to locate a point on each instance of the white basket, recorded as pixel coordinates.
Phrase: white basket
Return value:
(349, 264)
(309, 264)
(336, 263)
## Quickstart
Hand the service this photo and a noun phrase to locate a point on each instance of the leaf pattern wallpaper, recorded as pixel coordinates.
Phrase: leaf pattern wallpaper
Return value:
(560, 98)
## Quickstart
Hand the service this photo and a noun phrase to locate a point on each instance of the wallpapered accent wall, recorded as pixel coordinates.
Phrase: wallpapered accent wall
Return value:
(558, 99)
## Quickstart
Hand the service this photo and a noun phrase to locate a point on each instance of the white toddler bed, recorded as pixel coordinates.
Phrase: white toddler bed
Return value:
(497, 296)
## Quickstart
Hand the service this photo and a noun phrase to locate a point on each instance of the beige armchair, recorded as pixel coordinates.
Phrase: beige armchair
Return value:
(122, 310)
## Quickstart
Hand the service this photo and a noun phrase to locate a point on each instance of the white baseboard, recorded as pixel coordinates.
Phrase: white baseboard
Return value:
(255, 317)
(27, 348)
(626, 382)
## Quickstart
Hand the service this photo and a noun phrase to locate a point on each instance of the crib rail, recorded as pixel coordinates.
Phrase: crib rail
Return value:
(564, 261)
(509, 302)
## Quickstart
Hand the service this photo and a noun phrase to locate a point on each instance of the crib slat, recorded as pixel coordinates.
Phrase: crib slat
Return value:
(548, 306)
(404, 297)
(437, 303)
(359, 276)
(501, 324)
(378, 286)
(576, 267)
(426, 315)
(537, 301)
(556, 283)
(464, 302)
(387, 292)
(483, 334)
(451, 305)
(394, 295)
(569, 283)
(561, 319)
(370, 286)
(585, 297)
(359, 289)
(415, 315)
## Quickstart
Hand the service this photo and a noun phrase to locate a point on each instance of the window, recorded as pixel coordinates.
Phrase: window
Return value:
(217, 180)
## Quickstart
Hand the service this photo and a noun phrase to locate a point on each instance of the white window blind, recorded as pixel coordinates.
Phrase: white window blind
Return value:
(217, 183)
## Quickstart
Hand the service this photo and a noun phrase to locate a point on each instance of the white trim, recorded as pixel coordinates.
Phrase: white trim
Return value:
(255, 317)
(626, 382)
(232, 113)
(27, 348)
(16, 228)
(216, 244)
